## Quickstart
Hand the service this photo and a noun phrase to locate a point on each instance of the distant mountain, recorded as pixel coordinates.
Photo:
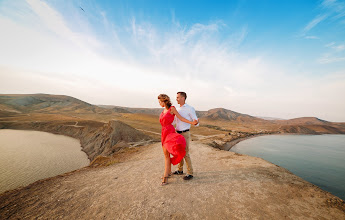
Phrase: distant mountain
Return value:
(120, 109)
(303, 120)
(117, 109)
(269, 118)
(227, 115)
(45, 103)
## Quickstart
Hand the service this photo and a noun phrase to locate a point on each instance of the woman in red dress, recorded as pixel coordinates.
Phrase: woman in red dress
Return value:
(172, 142)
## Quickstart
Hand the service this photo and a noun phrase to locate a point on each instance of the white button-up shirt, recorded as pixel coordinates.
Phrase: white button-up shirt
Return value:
(188, 112)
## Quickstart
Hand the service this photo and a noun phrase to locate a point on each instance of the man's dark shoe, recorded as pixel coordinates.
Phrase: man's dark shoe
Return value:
(188, 177)
(178, 172)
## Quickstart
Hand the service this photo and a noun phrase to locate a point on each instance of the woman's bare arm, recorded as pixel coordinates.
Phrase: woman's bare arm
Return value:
(175, 112)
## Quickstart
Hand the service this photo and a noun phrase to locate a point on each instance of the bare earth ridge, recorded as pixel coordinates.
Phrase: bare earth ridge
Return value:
(226, 186)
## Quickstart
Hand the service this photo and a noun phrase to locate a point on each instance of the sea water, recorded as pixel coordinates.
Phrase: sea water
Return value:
(28, 156)
(319, 159)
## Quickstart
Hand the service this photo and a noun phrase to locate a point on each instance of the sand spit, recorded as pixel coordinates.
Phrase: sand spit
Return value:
(226, 186)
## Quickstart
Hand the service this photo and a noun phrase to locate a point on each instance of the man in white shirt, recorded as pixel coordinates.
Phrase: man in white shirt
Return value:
(188, 112)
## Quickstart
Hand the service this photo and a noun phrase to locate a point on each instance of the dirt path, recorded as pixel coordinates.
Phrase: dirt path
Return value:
(76, 125)
(226, 186)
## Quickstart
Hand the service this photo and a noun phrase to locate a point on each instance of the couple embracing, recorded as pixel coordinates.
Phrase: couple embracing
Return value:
(176, 142)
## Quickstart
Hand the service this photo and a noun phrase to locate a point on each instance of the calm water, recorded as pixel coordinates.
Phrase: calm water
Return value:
(28, 156)
(319, 159)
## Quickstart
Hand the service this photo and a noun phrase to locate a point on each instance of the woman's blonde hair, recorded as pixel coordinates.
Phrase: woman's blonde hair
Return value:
(165, 98)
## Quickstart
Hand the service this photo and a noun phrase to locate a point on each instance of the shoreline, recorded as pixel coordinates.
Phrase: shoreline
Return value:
(231, 144)
(228, 145)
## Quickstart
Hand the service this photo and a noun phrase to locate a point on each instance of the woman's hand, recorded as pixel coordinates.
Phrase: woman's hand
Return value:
(195, 122)
(175, 112)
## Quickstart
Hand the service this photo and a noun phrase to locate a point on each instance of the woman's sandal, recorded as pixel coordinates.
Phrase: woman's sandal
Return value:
(164, 181)
(169, 175)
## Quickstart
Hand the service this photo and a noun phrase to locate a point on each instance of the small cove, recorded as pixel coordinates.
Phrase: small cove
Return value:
(28, 156)
(319, 159)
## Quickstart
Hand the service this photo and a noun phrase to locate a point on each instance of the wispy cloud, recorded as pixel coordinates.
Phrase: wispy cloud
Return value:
(327, 59)
(336, 7)
(336, 47)
(311, 37)
(334, 54)
(313, 23)
(329, 9)
(54, 21)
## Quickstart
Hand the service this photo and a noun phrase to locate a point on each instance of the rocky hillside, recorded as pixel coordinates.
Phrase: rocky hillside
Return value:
(303, 120)
(120, 109)
(44, 103)
(227, 115)
(310, 125)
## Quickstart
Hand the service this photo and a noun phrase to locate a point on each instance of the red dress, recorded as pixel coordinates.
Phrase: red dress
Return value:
(174, 143)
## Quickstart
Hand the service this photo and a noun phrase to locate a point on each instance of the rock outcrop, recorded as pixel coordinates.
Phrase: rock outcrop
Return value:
(111, 138)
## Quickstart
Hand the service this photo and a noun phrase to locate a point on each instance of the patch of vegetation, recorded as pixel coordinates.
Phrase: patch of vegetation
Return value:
(111, 162)
(215, 127)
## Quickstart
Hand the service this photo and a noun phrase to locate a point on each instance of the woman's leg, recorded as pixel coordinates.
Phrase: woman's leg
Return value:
(167, 169)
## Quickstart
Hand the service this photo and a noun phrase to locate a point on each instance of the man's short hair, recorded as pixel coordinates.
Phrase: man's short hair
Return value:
(183, 94)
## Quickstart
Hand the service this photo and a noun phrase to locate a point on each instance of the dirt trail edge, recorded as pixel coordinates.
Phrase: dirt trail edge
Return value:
(226, 186)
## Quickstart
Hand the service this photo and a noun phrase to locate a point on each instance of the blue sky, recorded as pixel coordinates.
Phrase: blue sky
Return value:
(282, 59)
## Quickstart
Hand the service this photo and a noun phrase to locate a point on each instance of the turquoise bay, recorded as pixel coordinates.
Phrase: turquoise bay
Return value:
(319, 159)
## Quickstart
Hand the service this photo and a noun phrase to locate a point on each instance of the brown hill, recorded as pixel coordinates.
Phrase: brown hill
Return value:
(117, 109)
(303, 120)
(313, 129)
(121, 109)
(45, 103)
(149, 111)
(228, 115)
